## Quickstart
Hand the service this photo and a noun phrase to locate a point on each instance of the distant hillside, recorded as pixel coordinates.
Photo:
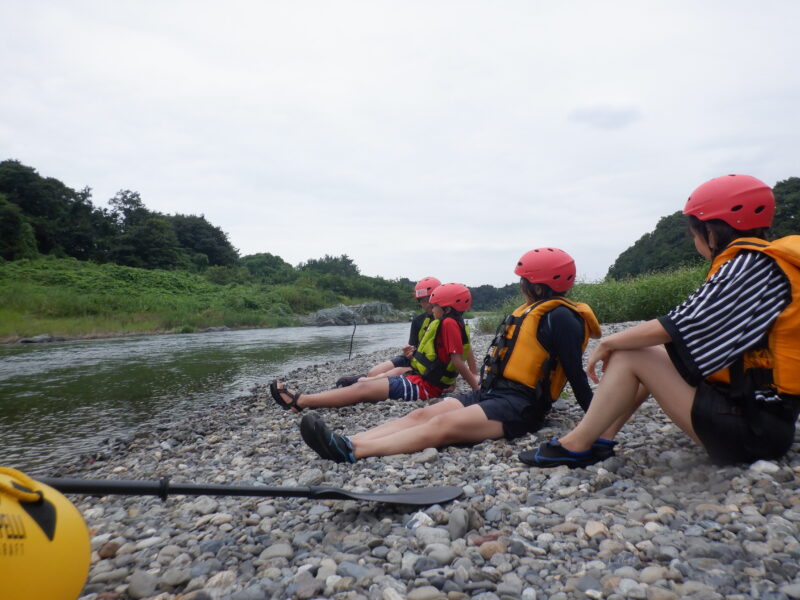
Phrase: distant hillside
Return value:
(488, 297)
(669, 246)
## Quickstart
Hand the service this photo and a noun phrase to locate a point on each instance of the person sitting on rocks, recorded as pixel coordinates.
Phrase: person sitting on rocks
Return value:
(443, 354)
(725, 364)
(419, 325)
(537, 349)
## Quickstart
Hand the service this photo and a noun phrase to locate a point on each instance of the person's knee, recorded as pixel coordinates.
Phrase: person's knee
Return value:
(640, 358)
(420, 415)
(445, 428)
(416, 415)
(626, 356)
(373, 390)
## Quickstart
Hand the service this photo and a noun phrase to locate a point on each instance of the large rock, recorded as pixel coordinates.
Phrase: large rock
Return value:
(44, 338)
(360, 314)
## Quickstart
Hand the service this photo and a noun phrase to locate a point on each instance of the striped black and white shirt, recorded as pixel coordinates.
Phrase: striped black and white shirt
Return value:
(729, 314)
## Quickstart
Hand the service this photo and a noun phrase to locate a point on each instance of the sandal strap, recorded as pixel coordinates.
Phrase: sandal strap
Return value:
(294, 396)
(277, 395)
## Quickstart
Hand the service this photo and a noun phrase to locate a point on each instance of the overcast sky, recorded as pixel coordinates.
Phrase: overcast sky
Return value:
(419, 138)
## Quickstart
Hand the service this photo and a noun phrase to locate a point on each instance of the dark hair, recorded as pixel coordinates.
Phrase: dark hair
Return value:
(537, 291)
(723, 233)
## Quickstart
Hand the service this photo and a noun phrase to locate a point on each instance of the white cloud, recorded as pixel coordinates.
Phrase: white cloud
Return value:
(606, 116)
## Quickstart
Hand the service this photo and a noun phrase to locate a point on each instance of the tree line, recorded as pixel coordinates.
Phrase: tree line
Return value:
(41, 216)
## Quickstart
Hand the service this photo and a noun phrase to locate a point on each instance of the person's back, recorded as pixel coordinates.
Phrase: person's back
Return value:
(540, 347)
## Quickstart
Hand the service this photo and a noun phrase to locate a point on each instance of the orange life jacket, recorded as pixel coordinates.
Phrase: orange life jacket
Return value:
(516, 354)
(781, 357)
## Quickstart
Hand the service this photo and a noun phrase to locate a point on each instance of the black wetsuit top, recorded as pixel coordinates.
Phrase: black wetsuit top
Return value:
(567, 349)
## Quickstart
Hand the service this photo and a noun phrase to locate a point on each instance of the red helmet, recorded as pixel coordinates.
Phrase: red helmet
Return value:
(550, 266)
(452, 294)
(743, 202)
(425, 286)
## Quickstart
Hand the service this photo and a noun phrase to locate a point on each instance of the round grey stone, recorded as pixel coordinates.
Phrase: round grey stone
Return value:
(142, 585)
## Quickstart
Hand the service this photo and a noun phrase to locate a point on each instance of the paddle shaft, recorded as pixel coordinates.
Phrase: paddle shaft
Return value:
(163, 488)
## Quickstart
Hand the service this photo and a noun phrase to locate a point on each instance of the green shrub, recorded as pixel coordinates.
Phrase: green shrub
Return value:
(616, 301)
(639, 298)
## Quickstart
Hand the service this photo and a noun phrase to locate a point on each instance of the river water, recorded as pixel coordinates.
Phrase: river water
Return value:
(60, 400)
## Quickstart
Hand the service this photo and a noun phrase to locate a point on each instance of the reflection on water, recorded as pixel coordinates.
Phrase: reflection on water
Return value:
(64, 399)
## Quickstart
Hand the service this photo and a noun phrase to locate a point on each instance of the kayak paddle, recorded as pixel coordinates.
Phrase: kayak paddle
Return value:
(423, 496)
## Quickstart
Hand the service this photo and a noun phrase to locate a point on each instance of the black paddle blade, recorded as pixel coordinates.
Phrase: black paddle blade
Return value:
(424, 496)
(416, 496)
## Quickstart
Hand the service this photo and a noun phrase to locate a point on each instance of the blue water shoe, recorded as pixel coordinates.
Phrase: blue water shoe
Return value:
(553, 454)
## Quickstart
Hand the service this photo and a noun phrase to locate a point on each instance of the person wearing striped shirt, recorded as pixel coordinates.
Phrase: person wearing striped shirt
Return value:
(724, 365)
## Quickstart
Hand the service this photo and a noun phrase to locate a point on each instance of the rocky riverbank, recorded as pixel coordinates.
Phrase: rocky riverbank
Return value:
(358, 314)
(656, 522)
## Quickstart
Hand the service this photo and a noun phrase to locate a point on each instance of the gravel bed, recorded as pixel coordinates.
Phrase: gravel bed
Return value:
(658, 521)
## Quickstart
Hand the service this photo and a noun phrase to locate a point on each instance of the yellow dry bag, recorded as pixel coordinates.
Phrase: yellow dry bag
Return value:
(44, 542)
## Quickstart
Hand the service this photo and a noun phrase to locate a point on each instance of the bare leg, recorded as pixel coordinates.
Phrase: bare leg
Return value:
(642, 394)
(393, 372)
(619, 395)
(372, 390)
(412, 419)
(380, 368)
(467, 424)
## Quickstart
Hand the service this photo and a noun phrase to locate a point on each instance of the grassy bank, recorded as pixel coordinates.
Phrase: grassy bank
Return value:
(70, 298)
(636, 299)
(75, 299)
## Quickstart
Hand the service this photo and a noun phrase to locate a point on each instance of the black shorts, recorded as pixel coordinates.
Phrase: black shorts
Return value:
(730, 437)
(518, 414)
(401, 361)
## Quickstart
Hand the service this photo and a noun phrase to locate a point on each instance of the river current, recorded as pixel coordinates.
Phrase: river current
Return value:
(60, 400)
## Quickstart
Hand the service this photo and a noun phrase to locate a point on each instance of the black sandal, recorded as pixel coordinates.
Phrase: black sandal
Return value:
(276, 392)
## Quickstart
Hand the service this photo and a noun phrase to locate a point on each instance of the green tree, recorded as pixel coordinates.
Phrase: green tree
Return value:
(269, 268)
(84, 239)
(787, 208)
(127, 209)
(17, 239)
(331, 265)
(63, 220)
(150, 244)
(488, 297)
(198, 236)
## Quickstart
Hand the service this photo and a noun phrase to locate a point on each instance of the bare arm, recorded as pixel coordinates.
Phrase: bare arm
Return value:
(473, 365)
(649, 333)
(463, 370)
